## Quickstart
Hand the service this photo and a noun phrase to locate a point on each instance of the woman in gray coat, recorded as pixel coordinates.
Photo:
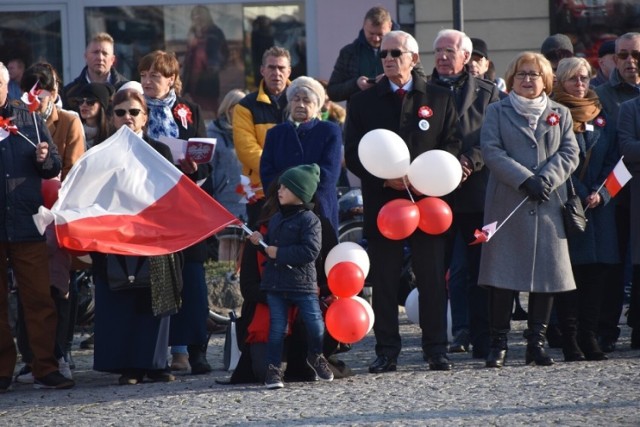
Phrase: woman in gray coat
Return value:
(529, 147)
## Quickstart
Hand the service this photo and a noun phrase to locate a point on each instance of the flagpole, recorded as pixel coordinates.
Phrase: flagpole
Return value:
(604, 182)
(28, 140)
(35, 123)
(262, 243)
(511, 214)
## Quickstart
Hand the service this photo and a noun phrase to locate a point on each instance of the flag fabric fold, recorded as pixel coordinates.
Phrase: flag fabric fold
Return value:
(617, 178)
(122, 197)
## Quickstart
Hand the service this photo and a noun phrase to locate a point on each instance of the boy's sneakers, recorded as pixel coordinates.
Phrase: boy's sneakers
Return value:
(321, 367)
(65, 368)
(53, 380)
(273, 379)
(24, 375)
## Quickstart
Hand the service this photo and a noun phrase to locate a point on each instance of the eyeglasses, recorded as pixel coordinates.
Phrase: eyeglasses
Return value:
(576, 79)
(395, 53)
(89, 101)
(521, 75)
(133, 112)
(635, 54)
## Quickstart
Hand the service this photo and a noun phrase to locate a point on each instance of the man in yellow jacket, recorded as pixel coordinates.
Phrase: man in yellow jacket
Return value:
(256, 114)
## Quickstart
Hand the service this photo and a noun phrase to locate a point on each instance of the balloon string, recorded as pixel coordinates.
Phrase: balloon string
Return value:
(404, 180)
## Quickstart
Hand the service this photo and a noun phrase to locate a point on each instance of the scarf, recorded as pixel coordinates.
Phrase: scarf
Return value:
(530, 109)
(583, 110)
(161, 121)
(90, 133)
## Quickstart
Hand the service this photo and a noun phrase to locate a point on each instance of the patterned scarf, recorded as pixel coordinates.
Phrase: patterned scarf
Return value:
(530, 109)
(583, 110)
(161, 121)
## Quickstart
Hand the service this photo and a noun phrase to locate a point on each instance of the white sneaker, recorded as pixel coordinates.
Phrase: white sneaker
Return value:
(63, 367)
(25, 376)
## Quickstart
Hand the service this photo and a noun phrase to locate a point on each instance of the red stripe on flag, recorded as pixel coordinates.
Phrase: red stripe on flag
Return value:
(185, 215)
(612, 185)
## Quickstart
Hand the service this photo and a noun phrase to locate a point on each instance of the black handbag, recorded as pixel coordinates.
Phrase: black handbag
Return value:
(575, 220)
(128, 272)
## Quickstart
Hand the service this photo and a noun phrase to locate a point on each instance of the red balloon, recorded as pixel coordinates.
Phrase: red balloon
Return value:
(398, 219)
(345, 279)
(435, 215)
(50, 189)
(347, 320)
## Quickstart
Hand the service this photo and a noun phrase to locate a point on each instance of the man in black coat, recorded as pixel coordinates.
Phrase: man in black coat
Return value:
(472, 95)
(426, 119)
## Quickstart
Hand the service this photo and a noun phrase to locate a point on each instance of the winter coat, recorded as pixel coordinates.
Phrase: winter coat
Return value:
(298, 237)
(629, 141)
(530, 252)
(21, 175)
(73, 89)
(312, 142)
(66, 131)
(599, 242)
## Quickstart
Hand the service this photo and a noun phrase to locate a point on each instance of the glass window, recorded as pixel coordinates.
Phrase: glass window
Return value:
(216, 45)
(38, 41)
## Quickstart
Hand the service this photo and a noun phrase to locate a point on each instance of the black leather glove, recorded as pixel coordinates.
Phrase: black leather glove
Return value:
(537, 189)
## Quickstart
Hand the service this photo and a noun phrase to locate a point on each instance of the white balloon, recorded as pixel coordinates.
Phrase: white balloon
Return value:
(435, 173)
(347, 252)
(412, 307)
(384, 154)
(367, 306)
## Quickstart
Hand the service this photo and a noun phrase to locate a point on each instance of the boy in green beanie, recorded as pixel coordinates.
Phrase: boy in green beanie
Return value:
(289, 276)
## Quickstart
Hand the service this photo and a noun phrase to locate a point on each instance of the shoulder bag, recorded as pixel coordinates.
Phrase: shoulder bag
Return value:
(575, 220)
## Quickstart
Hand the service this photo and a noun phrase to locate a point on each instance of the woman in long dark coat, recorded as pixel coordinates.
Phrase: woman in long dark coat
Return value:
(130, 340)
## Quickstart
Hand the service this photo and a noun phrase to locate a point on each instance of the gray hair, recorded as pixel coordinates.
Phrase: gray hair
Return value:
(466, 45)
(408, 41)
(568, 67)
(626, 36)
(310, 87)
(4, 72)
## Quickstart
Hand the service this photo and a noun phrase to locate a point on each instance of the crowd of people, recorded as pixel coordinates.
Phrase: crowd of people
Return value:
(552, 126)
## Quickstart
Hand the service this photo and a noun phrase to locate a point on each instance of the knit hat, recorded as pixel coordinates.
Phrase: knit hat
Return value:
(308, 83)
(556, 42)
(606, 48)
(132, 84)
(302, 180)
(101, 91)
(479, 48)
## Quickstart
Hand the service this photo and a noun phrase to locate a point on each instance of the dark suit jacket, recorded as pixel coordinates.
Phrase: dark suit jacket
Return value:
(472, 101)
(379, 108)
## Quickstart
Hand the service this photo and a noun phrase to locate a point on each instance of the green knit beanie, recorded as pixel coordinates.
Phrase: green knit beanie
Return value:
(302, 180)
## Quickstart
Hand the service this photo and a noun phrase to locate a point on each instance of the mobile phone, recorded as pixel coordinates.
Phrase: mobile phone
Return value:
(371, 80)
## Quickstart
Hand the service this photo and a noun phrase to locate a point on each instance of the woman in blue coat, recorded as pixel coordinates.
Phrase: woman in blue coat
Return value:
(305, 139)
(595, 252)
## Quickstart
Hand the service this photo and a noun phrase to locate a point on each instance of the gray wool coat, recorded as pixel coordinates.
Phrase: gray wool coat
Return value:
(530, 252)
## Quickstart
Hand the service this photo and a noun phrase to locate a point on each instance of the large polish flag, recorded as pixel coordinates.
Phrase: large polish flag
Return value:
(617, 179)
(123, 197)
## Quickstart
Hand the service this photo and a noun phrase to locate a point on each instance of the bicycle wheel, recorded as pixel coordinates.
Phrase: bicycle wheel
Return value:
(350, 232)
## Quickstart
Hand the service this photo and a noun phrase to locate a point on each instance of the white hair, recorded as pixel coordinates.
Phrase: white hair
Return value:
(309, 86)
(466, 45)
(408, 41)
(4, 72)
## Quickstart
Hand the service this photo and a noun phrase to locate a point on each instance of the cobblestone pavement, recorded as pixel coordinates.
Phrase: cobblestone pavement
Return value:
(568, 394)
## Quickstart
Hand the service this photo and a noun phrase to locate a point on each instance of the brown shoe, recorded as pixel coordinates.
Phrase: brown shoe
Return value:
(180, 362)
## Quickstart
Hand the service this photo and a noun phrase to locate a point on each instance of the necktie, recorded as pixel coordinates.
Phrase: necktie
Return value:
(400, 93)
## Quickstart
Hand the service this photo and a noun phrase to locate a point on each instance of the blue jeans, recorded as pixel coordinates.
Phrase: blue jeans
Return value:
(308, 308)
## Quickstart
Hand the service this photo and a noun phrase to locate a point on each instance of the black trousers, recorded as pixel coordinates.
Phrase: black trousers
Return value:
(428, 263)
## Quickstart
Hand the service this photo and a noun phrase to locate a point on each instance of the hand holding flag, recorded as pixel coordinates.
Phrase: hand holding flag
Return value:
(489, 230)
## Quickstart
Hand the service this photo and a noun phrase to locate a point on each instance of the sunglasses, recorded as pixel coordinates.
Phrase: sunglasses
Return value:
(635, 54)
(89, 101)
(133, 112)
(395, 53)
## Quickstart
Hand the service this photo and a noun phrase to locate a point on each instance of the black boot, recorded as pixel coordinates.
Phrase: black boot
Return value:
(590, 347)
(539, 312)
(566, 304)
(498, 350)
(198, 359)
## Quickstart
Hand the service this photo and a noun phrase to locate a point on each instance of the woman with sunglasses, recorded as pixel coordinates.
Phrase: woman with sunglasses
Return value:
(131, 341)
(92, 104)
(530, 149)
(173, 116)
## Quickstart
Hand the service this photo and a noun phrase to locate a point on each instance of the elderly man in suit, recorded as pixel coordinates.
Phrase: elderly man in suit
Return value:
(397, 102)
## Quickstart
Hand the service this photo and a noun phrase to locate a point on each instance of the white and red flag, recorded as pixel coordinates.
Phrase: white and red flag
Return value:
(617, 179)
(122, 197)
(32, 98)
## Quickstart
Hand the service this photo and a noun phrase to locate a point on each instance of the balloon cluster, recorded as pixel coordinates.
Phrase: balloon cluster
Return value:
(434, 173)
(349, 318)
